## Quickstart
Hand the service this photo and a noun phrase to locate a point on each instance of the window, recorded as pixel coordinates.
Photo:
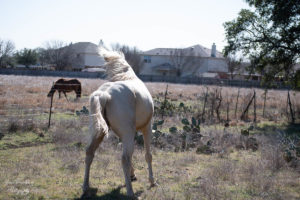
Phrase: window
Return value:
(147, 59)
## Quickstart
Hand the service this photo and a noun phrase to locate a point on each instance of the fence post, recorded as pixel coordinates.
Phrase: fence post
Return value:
(50, 108)
(50, 111)
(291, 109)
(254, 106)
(164, 103)
(265, 99)
(204, 104)
(237, 101)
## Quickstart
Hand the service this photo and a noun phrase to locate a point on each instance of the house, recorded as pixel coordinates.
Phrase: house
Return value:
(241, 72)
(191, 61)
(86, 55)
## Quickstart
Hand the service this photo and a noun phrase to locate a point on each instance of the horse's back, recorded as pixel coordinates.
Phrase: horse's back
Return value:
(59, 81)
(67, 82)
(74, 81)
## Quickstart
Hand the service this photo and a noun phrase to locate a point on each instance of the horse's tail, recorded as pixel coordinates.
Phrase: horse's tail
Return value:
(98, 125)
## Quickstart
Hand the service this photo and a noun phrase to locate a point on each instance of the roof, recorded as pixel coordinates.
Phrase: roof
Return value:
(85, 47)
(196, 50)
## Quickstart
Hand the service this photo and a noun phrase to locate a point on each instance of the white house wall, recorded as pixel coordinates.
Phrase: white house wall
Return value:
(202, 65)
(217, 65)
(197, 64)
(155, 60)
(93, 60)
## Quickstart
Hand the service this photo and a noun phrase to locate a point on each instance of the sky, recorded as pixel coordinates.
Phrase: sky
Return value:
(140, 23)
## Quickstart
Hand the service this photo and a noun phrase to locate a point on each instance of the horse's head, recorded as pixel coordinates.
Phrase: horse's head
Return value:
(117, 68)
(50, 94)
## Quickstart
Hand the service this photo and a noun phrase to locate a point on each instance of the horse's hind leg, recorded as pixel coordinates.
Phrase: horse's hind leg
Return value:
(128, 147)
(90, 152)
(98, 129)
(148, 156)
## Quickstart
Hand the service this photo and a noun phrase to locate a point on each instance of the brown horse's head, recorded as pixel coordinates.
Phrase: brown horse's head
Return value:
(50, 94)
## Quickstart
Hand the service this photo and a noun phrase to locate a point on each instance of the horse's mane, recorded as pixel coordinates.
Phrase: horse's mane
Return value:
(117, 68)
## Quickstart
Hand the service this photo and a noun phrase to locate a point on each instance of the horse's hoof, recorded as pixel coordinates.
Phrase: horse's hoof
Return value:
(133, 178)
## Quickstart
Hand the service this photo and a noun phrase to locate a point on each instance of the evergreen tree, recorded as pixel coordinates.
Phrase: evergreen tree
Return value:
(27, 57)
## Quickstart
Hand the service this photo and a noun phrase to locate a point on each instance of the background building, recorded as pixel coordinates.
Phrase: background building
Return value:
(86, 56)
(191, 61)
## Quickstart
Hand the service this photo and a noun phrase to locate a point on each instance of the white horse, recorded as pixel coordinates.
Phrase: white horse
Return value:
(125, 105)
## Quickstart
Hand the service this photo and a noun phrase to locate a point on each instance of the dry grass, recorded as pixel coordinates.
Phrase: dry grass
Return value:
(41, 163)
(51, 172)
(31, 93)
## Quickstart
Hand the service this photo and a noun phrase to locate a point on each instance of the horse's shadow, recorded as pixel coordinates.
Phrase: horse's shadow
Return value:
(113, 195)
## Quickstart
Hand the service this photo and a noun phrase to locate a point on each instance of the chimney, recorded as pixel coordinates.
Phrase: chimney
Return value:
(213, 50)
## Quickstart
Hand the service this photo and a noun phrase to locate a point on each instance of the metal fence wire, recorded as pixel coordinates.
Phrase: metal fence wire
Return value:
(22, 114)
(146, 78)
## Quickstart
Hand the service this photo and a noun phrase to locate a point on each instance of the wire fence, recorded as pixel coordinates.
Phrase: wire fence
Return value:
(23, 115)
(21, 104)
(147, 78)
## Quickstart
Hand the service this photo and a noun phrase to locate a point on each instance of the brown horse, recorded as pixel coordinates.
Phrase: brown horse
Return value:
(63, 85)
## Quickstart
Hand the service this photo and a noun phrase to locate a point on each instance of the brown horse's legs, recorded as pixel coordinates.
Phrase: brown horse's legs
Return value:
(65, 95)
(147, 140)
(90, 152)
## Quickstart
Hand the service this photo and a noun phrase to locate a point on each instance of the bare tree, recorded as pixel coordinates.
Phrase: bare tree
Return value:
(234, 65)
(181, 58)
(58, 53)
(42, 56)
(132, 56)
(7, 49)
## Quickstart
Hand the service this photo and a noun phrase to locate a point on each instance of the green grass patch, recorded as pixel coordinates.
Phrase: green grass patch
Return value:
(63, 116)
(268, 127)
(25, 139)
